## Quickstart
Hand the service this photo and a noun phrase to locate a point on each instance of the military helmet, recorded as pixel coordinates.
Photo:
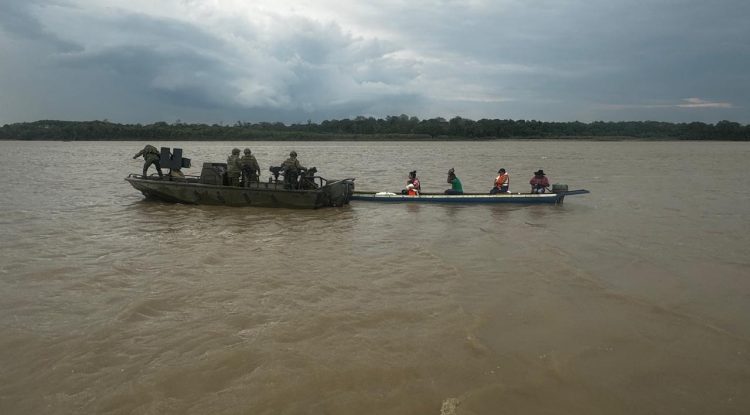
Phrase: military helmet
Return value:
(235, 151)
(247, 151)
(293, 154)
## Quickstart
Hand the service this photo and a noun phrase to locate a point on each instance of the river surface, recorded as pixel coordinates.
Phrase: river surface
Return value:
(634, 299)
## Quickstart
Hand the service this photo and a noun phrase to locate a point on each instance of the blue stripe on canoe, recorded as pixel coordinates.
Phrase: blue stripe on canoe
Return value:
(526, 199)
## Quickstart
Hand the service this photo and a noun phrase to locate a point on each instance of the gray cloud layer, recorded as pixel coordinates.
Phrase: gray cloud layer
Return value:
(678, 60)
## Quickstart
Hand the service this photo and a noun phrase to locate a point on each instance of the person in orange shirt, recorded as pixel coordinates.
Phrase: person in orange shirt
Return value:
(502, 182)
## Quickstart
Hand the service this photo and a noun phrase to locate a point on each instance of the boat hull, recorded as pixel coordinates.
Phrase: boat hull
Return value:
(468, 198)
(334, 193)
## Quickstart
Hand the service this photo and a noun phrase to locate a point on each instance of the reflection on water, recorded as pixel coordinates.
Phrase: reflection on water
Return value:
(614, 302)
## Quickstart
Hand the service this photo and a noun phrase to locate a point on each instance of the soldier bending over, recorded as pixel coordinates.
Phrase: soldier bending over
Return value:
(151, 155)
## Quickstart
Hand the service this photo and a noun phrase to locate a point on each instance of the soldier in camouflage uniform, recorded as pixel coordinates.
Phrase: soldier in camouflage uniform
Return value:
(250, 168)
(233, 167)
(151, 155)
(291, 168)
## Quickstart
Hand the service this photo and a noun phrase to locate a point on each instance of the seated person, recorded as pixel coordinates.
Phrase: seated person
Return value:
(456, 188)
(411, 190)
(502, 183)
(539, 183)
(412, 181)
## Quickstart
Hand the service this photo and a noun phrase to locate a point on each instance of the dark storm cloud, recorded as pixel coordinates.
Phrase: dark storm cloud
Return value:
(160, 74)
(17, 19)
(589, 54)
(311, 68)
(677, 60)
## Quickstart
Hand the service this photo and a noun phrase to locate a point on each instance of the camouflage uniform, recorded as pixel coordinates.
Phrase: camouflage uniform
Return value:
(233, 168)
(250, 168)
(291, 168)
(151, 155)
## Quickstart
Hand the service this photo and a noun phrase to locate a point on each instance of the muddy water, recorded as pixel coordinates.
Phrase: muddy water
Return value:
(633, 299)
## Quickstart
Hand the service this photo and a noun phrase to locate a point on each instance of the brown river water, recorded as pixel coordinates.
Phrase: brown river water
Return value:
(634, 299)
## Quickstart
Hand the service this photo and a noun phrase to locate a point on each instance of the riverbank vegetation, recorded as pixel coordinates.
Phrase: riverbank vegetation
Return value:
(401, 127)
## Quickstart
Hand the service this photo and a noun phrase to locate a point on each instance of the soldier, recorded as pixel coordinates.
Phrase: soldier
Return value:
(233, 167)
(151, 155)
(291, 168)
(250, 168)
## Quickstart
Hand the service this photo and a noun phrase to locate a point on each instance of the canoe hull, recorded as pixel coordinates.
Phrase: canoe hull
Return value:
(335, 193)
(471, 198)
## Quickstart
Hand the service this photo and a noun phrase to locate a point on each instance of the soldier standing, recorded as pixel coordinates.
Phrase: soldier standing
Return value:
(233, 167)
(250, 168)
(151, 155)
(291, 168)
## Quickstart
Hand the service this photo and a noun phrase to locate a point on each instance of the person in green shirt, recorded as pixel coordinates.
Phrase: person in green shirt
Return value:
(456, 188)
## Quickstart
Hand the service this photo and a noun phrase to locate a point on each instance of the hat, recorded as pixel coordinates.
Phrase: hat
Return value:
(501, 171)
(539, 173)
(247, 151)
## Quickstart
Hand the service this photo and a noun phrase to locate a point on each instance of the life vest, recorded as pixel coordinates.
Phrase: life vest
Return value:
(502, 180)
(412, 190)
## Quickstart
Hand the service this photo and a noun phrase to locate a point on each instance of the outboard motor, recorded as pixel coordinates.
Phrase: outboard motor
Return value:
(213, 173)
(559, 188)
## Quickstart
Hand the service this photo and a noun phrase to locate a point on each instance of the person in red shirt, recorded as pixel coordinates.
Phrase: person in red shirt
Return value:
(415, 180)
(539, 183)
(502, 183)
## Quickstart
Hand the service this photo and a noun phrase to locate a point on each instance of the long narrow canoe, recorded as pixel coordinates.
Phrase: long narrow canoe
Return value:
(467, 198)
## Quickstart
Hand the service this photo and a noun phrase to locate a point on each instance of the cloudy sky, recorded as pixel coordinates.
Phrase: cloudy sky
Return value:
(222, 61)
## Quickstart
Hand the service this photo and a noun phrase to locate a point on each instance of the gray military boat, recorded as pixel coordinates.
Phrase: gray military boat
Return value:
(307, 191)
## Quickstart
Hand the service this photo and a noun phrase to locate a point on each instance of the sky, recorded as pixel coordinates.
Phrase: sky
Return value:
(223, 61)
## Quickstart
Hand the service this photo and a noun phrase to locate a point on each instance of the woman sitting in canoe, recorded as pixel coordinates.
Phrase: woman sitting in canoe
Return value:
(413, 186)
(502, 183)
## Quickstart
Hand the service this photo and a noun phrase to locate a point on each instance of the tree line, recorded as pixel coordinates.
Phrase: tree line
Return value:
(400, 127)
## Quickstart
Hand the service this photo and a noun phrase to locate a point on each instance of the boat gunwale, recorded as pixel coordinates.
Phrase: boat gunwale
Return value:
(135, 178)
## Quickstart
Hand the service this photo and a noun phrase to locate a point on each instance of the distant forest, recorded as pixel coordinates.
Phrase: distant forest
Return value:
(401, 127)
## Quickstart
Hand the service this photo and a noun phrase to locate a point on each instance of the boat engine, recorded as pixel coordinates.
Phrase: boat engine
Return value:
(559, 188)
(213, 173)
